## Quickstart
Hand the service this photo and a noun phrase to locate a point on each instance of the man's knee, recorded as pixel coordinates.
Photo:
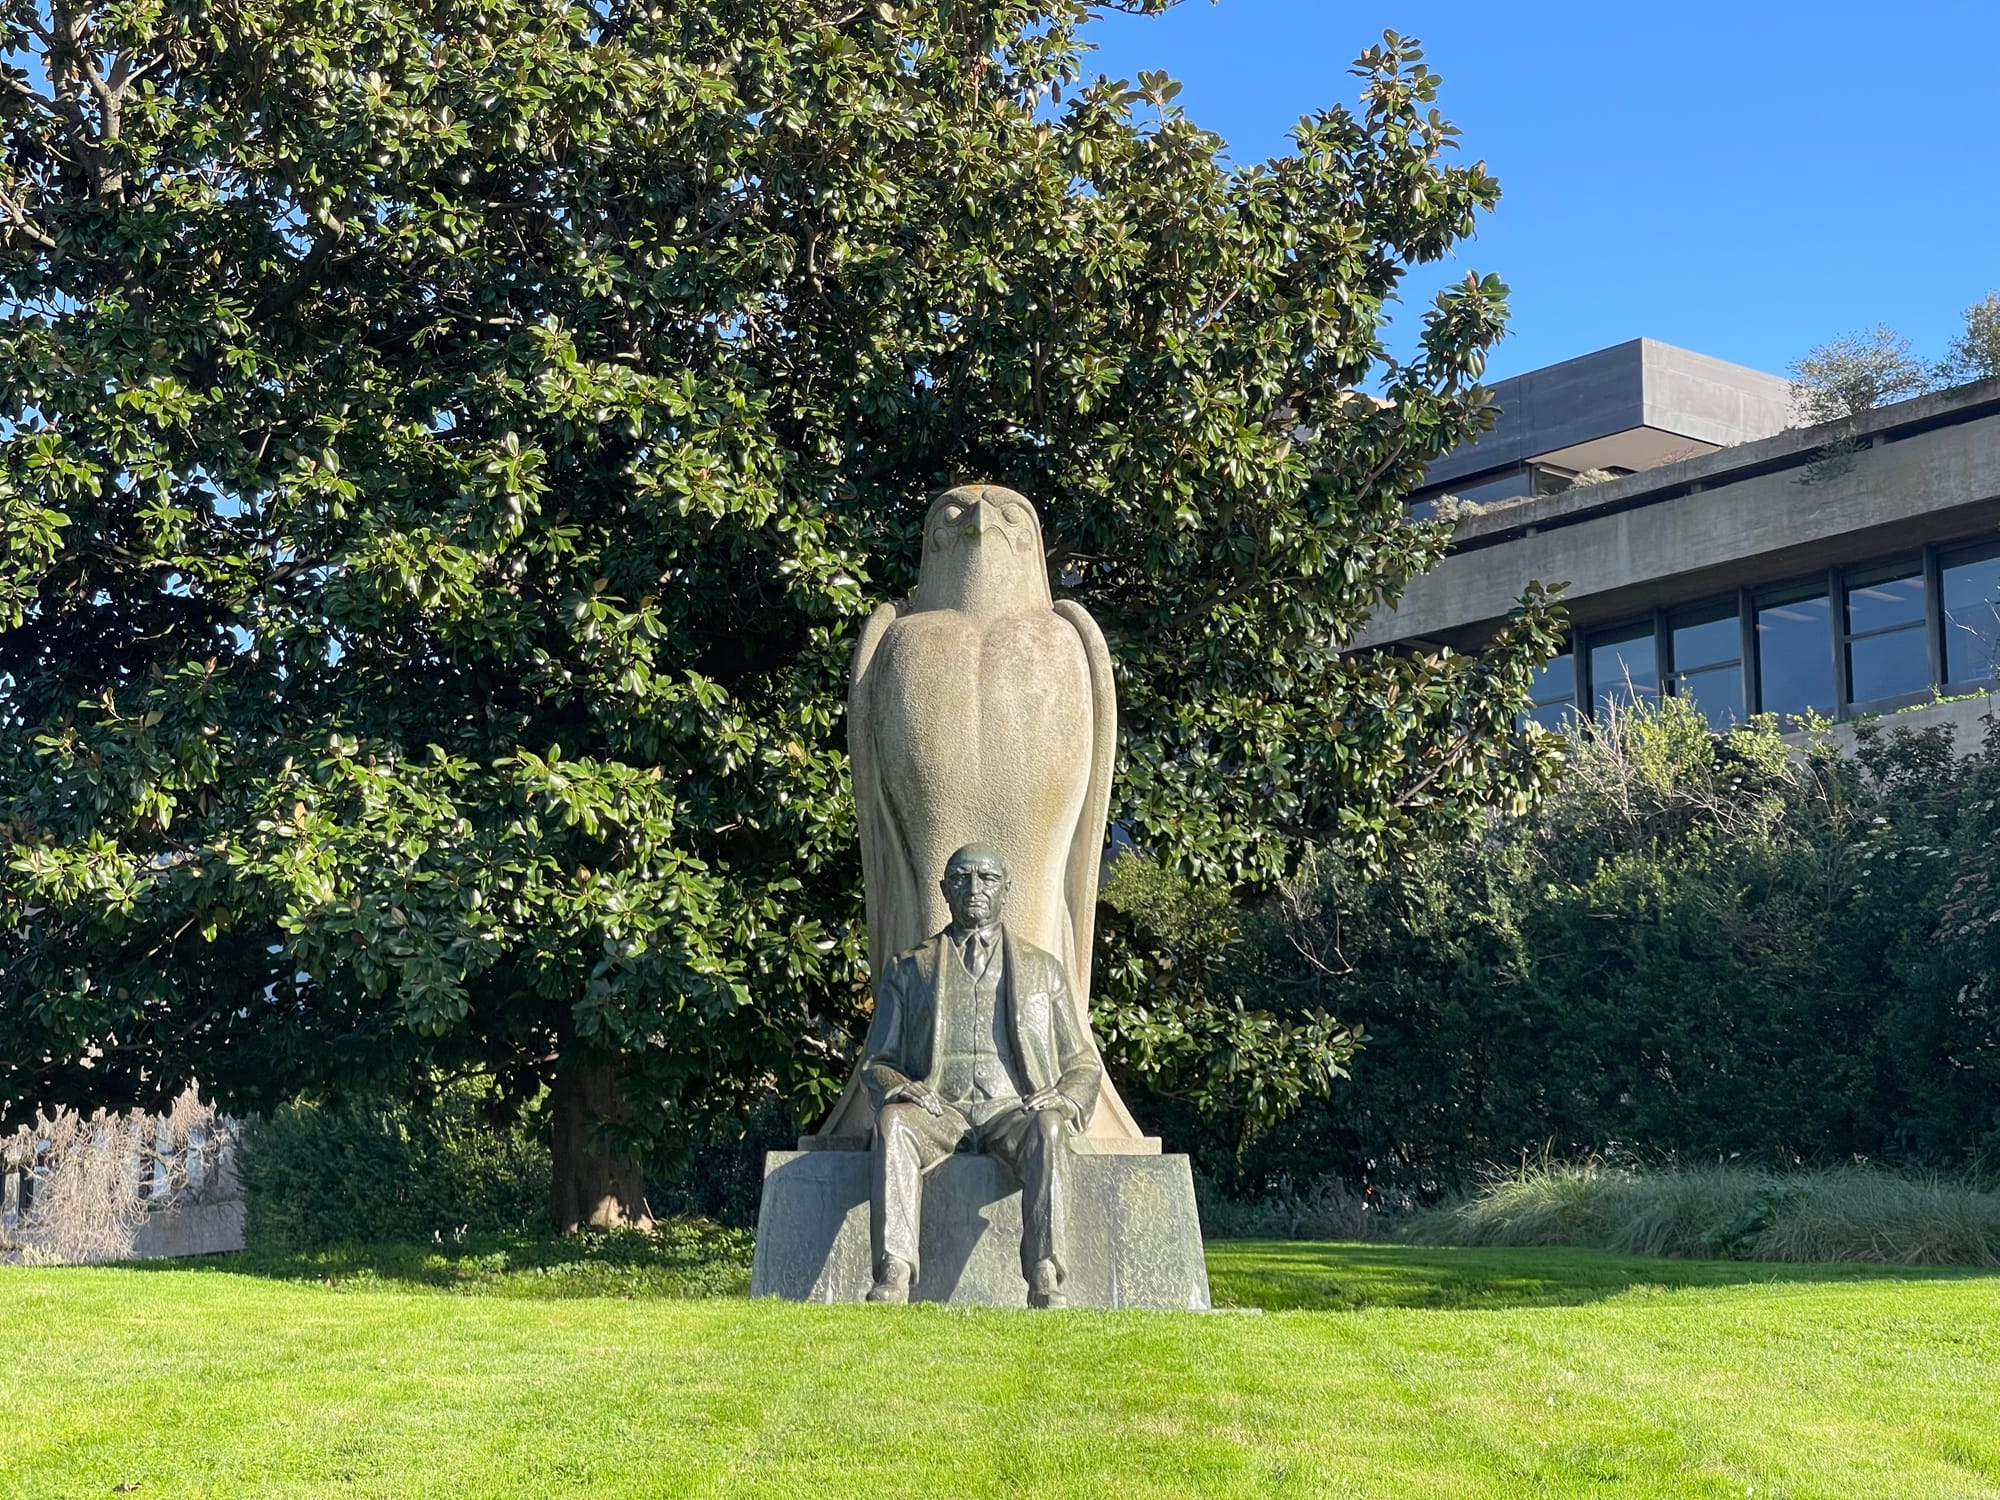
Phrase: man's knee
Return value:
(1051, 1130)
(897, 1123)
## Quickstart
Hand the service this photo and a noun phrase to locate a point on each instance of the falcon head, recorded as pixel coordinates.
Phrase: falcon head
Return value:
(981, 515)
(982, 553)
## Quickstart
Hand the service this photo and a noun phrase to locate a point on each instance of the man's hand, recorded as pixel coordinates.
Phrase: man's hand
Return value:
(918, 1093)
(1048, 1098)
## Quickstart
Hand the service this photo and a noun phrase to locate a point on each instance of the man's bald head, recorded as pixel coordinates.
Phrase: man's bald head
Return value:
(975, 886)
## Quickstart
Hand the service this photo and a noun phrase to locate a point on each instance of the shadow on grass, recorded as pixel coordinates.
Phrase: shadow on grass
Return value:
(698, 1259)
(683, 1259)
(1291, 1275)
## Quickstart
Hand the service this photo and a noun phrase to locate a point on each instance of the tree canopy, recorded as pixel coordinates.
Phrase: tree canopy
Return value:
(447, 450)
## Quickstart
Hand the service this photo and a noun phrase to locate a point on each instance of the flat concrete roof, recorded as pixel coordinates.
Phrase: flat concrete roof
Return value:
(1926, 470)
(1635, 405)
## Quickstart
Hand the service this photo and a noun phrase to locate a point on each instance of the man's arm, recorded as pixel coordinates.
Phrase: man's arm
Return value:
(881, 1055)
(1079, 1073)
(882, 1062)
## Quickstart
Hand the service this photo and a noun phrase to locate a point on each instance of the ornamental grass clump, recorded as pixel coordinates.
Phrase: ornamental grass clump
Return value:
(1688, 1213)
(1854, 1213)
(1546, 1203)
(1728, 1212)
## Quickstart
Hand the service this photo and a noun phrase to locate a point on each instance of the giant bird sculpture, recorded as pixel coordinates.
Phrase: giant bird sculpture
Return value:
(981, 713)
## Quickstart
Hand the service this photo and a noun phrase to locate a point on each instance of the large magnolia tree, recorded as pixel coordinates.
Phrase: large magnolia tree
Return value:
(446, 450)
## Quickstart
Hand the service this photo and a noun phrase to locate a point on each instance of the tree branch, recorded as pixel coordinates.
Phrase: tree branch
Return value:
(18, 217)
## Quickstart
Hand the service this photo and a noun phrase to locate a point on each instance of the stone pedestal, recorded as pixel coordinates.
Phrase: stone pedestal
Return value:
(1134, 1239)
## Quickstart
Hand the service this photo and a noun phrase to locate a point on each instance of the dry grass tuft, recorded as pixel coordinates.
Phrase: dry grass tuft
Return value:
(88, 1181)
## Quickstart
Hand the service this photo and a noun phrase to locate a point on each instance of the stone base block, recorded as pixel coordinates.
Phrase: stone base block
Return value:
(192, 1229)
(1134, 1239)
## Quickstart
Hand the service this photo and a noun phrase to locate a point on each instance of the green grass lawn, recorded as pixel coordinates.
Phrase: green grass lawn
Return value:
(1379, 1370)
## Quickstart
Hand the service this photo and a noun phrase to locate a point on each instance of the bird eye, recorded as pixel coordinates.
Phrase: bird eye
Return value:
(953, 512)
(1017, 513)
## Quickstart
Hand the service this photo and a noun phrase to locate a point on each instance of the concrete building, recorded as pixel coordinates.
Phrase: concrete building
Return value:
(1634, 406)
(1728, 558)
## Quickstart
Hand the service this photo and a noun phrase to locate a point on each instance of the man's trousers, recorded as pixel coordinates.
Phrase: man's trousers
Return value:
(910, 1142)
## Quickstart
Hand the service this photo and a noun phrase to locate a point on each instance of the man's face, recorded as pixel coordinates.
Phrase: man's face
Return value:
(975, 888)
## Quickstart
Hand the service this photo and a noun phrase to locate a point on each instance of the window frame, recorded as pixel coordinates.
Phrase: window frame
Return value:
(1826, 582)
(1831, 583)
(1844, 638)
(1950, 555)
(1641, 627)
(1737, 605)
(1569, 700)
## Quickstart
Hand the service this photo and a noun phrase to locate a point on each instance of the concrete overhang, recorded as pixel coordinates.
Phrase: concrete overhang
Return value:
(1632, 450)
(1635, 405)
(1926, 470)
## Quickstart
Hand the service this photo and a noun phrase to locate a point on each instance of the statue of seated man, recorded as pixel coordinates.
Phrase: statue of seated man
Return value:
(975, 1045)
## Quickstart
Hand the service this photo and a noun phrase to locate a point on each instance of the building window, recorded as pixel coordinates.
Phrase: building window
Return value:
(1484, 489)
(1860, 639)
(1794, 652)
(1554, 692)
(1624, 667)
(1886, 653)
(1705, 644)
(1971, 596)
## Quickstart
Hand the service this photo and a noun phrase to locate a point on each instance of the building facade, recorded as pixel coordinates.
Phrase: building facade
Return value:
(1714, 554)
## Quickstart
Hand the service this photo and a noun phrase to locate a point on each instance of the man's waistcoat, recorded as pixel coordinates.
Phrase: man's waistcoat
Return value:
(1049, 1045)
(974, 1055)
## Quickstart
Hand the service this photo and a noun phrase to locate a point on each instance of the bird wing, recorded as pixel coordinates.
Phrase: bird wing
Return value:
(1087, 844)
(884, 866)
(1112, 1120)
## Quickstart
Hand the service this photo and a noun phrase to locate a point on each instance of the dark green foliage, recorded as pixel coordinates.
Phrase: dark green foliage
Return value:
(373, 1171)
(1705, 946)
(723, 1180)
(446, 450)
(1324, 1210)
(1202, 1020)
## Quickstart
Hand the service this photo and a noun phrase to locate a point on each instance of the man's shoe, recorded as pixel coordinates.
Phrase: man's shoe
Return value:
(1045, 1287)
(893, 1285)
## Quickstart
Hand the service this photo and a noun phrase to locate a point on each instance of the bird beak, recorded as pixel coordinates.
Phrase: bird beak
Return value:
(981, 518)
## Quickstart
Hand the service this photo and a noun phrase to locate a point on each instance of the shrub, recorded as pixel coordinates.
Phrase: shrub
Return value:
(1707, 946)
(1855, 373)
(1321, 1210)
(723, 1180)
(368, 1170)
(1974, 354)
(1217, 1038)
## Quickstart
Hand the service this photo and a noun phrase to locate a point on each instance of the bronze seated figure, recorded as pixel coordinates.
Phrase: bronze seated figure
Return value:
(975, 1045)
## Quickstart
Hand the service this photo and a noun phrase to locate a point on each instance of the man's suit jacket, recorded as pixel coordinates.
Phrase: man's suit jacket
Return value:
(1050, 1045)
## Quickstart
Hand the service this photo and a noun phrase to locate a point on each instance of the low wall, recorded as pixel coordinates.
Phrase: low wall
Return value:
(190, 1229)
(1965, 717)
(205, 1217)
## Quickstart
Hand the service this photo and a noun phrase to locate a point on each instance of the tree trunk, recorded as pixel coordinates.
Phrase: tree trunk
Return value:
(587, 1189)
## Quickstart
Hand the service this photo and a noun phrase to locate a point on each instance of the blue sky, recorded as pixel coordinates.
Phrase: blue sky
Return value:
(1744, 179)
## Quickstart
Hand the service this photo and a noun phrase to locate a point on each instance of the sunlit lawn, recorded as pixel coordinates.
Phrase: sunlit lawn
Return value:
(1380, 1370)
